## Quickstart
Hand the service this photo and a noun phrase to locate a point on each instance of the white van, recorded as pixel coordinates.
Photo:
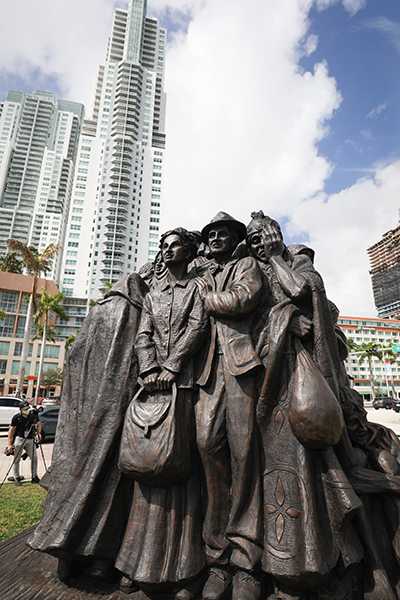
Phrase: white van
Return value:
(9, 406)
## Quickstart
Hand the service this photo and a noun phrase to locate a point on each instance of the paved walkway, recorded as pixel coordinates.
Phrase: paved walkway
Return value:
(389, 418)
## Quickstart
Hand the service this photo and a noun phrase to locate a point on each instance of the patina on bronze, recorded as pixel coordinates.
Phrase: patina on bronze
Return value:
(286, 491)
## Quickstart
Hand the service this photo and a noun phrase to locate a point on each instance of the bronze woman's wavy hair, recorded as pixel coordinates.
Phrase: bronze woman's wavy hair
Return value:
(190, 241)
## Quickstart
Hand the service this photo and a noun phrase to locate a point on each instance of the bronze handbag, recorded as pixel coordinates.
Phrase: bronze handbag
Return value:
(315, 414)
(155, 446)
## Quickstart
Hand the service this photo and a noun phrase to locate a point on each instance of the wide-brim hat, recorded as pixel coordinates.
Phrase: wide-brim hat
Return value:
(222, 218)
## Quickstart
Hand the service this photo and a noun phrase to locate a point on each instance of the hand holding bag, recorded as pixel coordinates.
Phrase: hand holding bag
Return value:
(315, 414)
(155, 446)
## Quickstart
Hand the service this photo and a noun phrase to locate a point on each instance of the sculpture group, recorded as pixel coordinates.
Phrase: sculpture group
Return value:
(209, 444)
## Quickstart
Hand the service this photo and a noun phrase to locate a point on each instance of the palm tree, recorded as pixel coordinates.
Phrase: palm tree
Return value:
(51, 331)
(108, 286)
(390, 356)
(10, 263)
(47, 303)
(70, 340)
(351, 345)
(35, 264)
(370, 350)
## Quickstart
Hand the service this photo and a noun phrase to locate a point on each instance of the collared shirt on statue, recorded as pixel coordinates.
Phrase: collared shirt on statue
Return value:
(172, 327)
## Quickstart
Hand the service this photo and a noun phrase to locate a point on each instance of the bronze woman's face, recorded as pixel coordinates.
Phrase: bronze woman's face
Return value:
(266, 243)
(173, 251)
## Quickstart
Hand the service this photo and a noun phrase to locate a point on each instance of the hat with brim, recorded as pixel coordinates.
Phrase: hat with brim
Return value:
(222, 218)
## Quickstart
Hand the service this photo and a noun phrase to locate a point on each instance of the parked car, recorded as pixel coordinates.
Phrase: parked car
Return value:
(396, 405)
(49, 419)
(9, 406)
(51, 401)
(383, 402)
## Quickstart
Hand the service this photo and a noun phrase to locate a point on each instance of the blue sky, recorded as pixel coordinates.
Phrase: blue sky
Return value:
(291, 107)
(362, 52)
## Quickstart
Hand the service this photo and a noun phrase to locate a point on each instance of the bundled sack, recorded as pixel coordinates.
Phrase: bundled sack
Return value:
(155, 446)
(315, 414)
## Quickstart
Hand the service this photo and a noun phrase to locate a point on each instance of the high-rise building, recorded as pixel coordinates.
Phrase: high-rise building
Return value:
(384, 257)
(38, 145)
(114, 220)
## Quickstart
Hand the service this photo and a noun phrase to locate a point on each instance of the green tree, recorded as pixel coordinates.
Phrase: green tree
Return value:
(48, 303)
(351, 345)
(390, 356)
(70, 340)
(51, 331)
(108, 285)
(35, 264)
(11, 263)
(370, 350)
(52, 377)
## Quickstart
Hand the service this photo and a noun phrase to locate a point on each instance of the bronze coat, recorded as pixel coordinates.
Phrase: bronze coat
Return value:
(231, 302)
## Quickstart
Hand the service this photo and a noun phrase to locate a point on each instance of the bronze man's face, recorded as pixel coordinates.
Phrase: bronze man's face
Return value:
(222, 241)
(173, 251)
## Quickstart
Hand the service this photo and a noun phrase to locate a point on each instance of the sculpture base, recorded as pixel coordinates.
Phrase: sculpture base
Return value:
(26, 574)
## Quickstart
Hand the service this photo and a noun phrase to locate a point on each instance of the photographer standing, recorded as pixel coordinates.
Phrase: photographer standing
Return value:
(21, 436)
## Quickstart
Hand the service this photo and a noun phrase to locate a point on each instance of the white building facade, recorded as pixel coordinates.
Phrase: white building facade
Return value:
(114, 221)
(39, 137)
(385, 332)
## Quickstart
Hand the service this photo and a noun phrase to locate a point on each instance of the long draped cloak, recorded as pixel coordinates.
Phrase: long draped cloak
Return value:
(88, 499)
(308, 501)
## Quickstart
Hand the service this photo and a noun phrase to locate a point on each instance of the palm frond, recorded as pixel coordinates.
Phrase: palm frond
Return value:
(25, 253)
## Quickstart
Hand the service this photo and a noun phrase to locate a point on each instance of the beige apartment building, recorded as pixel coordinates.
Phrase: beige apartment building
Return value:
(14, 291)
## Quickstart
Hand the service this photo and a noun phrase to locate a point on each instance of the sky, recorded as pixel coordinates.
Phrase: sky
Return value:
(292, 107)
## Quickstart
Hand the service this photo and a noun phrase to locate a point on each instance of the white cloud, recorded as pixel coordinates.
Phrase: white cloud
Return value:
(243, 122)
(340, 229)
(63, 40)
(324, 4)
(353, 6)
(243, 119)
(389, 28)
(377, 110)
(310, 45)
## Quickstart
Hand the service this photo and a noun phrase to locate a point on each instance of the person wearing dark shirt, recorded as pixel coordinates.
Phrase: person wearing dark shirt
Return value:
(21, 436)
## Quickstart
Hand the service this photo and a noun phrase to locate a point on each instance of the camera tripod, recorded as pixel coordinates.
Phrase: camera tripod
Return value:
(37, 442)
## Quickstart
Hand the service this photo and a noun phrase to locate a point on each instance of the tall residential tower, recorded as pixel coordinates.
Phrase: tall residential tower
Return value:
(113, 226)
(38, 145)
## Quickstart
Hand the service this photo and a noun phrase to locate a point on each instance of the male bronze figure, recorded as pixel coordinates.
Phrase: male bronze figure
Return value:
(225, 417)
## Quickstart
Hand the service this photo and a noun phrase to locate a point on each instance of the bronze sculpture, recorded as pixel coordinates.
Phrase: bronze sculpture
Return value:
(86, 507)
(241, 349)
(307, 497)
(160, 550)
(226, 431)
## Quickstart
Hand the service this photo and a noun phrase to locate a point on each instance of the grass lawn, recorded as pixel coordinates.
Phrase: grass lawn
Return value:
(19, 508)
